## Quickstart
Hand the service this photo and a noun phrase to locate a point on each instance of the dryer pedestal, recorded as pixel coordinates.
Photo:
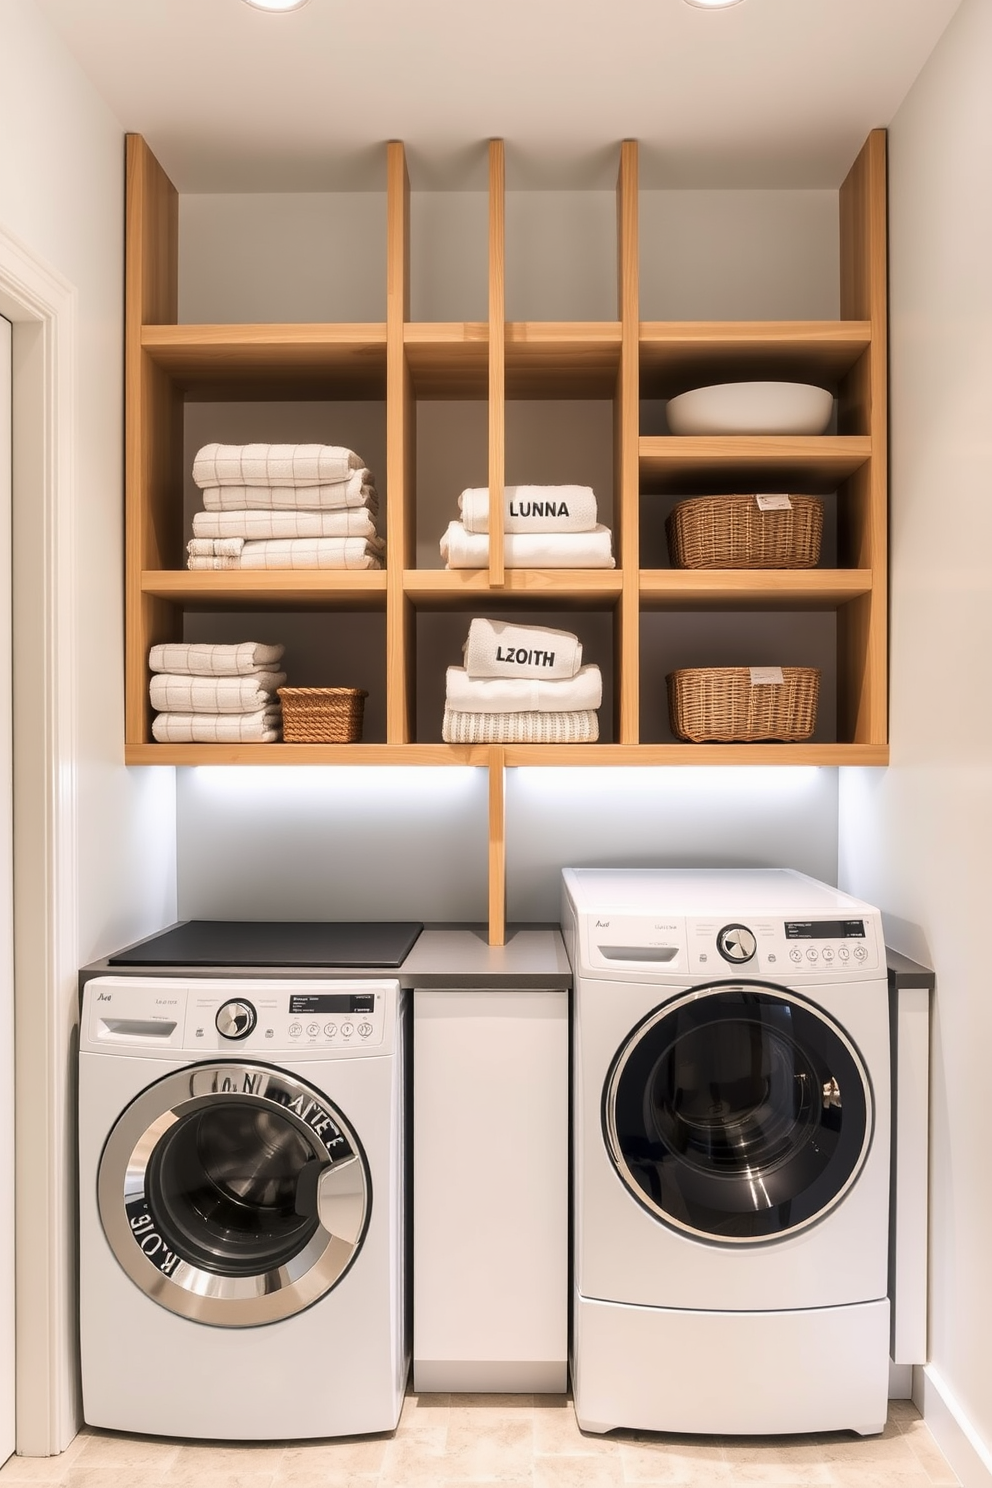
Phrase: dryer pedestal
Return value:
(730, 1373)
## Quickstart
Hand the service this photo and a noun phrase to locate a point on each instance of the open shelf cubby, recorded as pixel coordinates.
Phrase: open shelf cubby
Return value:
(186, 383)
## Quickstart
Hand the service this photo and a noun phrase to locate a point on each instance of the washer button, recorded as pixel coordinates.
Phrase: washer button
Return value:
(828, 954)
(860, 954)
(795, 954)
(811, 955)
(330, 1029)
(843, 953)
(365, 1029)
(295, 1029)
(313, 1029)
(347, 1029)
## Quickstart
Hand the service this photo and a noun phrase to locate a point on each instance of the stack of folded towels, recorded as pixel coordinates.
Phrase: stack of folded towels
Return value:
(284, 506)
(544, 527)
(522, 684)
(207, 694)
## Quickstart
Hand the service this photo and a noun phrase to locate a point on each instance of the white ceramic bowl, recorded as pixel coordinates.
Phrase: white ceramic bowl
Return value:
(751, 408)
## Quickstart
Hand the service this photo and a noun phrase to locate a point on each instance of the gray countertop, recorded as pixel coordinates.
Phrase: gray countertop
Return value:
(443, 956)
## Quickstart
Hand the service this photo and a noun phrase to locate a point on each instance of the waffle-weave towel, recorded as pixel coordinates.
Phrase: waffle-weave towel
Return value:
(257, 526)
(465, 694)
(177, 694)
(262, 727)
(273, 464)
(520, 728)
(204, 659)
(357, 490)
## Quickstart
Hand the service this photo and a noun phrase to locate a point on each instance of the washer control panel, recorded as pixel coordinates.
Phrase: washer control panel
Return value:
(265, 1017)
(775, 947)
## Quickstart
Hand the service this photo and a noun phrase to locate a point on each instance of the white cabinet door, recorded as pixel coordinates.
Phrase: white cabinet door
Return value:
(490, 1190)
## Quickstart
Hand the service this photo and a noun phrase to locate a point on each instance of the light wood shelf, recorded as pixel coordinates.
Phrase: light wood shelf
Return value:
(626, 361)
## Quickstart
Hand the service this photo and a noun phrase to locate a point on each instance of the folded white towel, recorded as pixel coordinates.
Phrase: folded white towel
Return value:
(263, 727)
(273, 464)
(170, 693)
(498, 648)
(580, 727)
(353, 521)
(532, 509)
(461, 549)
(465, 694)
(357, 490)
(204, 659)
(301, 552)
(215, 547)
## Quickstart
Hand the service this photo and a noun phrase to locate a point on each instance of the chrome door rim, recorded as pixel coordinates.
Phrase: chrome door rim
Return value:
(192, 1291)
(632, 1042)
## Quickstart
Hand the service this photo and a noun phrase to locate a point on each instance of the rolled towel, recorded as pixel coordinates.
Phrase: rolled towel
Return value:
(520, 728)
(273, 464)
(356, 521)
(358, 490)
(461, 549)
(204, 659)
(314, 552)
(170, 693)
(497, 648)
(465, 694)
(261, 727)
(532, 509)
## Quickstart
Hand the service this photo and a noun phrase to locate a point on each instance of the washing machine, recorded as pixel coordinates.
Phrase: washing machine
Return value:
(242, 1210)
(731, 1153)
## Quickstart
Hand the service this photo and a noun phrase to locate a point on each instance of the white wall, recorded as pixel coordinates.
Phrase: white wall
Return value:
(61, 202)
(339, 843)
(915, 838)
(62, 195)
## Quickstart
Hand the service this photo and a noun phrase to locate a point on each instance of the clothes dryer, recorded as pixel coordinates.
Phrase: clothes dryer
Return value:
(242, 1206)
(731, 1152)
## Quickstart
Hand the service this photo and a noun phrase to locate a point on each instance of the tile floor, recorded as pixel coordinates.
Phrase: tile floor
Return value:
(518, 1441)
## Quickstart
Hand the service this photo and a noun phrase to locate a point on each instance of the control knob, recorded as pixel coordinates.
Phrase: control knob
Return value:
(235, 1020)
(736, 944)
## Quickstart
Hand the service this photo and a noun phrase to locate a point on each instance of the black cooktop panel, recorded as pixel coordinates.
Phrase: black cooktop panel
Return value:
(310, 943)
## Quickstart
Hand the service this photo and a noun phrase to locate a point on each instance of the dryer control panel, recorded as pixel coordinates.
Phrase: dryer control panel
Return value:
(236, 1015)
(776, 947)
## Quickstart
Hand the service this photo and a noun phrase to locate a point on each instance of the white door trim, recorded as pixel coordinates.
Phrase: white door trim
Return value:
(42, 306)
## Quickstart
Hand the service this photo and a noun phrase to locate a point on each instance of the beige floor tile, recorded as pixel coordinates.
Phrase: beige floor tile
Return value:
(557, 1434)
(903, 1410)
(354, 1454)
(777, 1472)
(323, 1478)
(578, 1472)
(413, 1459)
(103, 1476)
(142, 1453)
(681, 1461)
(926, 1452)
(496, 1449)
(879, 1475)
(421, 1411)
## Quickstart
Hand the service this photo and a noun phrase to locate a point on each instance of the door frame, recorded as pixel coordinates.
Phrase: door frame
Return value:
(42, 306)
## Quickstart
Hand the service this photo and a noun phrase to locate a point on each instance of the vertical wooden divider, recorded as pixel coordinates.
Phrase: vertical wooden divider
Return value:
(497, 845)
(400, 455)
(626, 438)
(497, 341)
(152, 428)
(862, 624)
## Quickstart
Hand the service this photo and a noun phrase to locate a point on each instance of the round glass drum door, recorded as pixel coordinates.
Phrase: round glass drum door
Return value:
(737, 1113)
(233, 1194)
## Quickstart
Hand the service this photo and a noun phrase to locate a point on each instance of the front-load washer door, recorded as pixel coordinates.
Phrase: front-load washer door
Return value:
(233, 1194)
(738, 1113)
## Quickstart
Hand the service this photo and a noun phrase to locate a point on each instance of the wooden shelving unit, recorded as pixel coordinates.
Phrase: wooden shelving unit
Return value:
(400, 361)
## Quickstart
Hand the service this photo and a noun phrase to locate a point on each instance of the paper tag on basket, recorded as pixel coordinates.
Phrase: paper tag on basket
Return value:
(774, 501)
(766, 677)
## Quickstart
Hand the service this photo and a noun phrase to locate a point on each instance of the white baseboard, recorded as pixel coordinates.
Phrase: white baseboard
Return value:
(951, 1429)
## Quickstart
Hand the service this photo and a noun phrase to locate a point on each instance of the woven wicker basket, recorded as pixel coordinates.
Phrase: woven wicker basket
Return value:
(733, 532)
(721, 704)
(322, 715)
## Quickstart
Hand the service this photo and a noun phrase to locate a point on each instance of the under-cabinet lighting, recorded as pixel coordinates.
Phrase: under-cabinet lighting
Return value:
(712, 4)
(280, 5)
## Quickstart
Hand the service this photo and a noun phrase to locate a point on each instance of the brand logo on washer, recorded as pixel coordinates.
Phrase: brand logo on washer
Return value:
(151, 1244)
(232, 1080)
(318, 1119)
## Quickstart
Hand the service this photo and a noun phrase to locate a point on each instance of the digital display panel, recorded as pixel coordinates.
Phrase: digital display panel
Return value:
(824, 929)
(332, 1002)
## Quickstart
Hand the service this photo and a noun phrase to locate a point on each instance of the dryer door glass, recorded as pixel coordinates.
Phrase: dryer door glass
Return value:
(234, 1194)
(738, 1113)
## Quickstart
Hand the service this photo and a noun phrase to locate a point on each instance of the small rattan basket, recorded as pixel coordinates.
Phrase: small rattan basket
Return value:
(734, 532)
(322, 715)
(723, 704)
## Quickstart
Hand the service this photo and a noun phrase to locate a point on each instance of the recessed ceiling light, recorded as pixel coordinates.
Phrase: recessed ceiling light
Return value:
(279, 4)
(712, 4)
